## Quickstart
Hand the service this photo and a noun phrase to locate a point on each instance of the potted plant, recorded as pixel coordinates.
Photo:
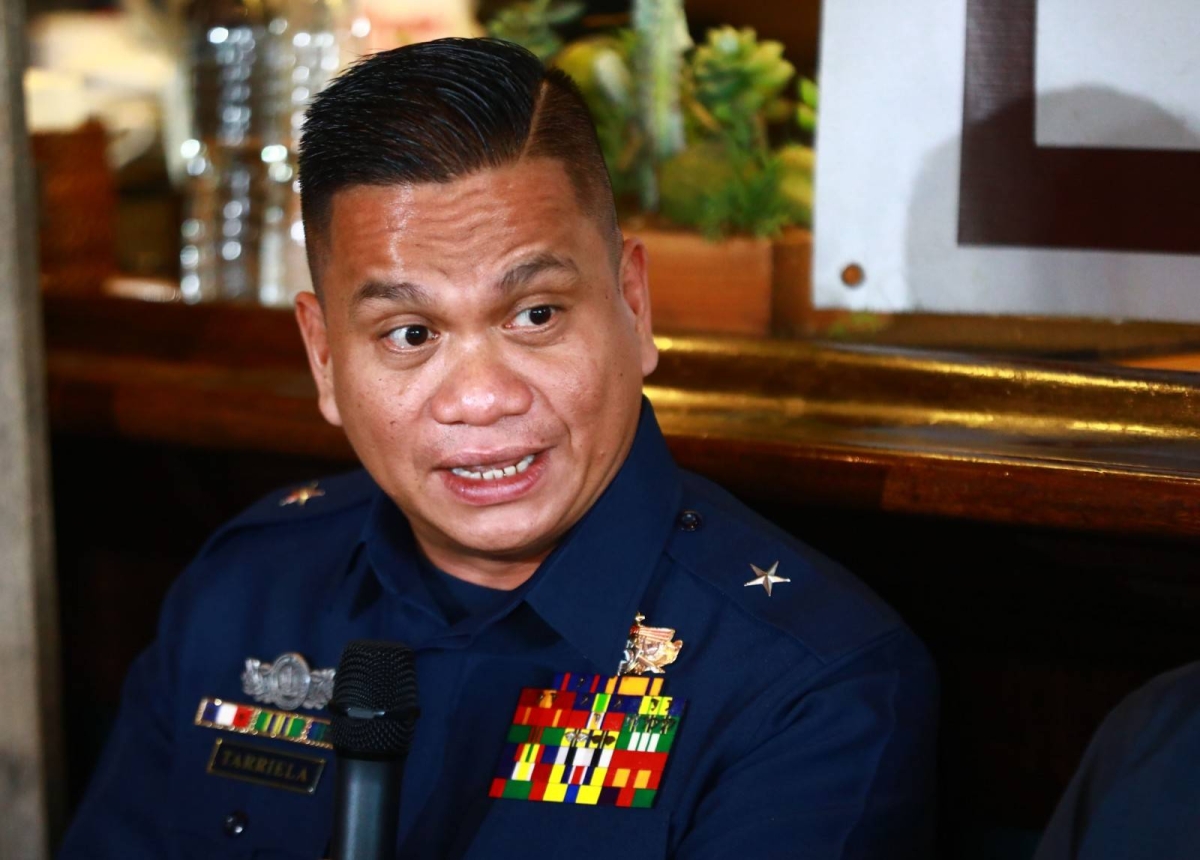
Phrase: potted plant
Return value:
(707, 146)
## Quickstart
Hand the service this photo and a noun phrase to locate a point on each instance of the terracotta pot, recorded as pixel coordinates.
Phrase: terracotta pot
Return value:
(741, 285)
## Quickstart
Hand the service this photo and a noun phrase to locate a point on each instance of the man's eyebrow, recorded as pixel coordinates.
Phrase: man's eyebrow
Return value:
(384, 291)
(528, 269)
(408, 293)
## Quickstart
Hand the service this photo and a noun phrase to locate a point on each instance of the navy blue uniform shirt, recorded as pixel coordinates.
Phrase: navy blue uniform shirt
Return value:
(811, 712)
(1137, 790)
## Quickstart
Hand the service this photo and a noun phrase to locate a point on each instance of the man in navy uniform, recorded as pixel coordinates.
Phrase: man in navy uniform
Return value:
(615, 658)
(1136, 793)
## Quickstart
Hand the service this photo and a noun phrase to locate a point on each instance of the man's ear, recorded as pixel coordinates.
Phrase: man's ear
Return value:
(311, 318)
(635, 288)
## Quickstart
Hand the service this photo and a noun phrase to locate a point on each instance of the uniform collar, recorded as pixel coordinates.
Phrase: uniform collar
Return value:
(588, 589)
(392, 553)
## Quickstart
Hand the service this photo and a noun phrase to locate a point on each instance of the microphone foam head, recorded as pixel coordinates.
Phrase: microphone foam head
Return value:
(374, 700)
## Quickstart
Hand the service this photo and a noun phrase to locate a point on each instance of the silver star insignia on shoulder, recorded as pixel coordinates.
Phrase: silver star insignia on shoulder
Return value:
(766, 578)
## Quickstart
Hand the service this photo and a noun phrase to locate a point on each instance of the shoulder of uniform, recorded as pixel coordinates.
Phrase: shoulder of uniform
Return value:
(1178, 689)
(812, 599)
(1154, 715)
(306, 503)
(276, 556)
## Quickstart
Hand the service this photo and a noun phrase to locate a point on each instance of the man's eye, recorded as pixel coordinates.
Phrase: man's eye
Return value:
(407, 336)
(533, 317)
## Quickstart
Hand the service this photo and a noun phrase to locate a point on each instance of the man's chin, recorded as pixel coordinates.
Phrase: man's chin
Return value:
(506, 546)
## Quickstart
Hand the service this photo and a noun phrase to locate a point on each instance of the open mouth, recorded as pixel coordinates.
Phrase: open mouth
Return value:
(494, 471)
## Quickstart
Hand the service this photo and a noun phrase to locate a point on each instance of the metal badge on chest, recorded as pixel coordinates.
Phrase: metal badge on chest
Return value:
(596, 740)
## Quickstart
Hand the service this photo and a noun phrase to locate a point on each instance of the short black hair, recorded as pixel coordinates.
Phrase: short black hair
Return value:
(441, 110)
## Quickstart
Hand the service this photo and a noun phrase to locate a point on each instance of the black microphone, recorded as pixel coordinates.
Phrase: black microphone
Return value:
(374, 707)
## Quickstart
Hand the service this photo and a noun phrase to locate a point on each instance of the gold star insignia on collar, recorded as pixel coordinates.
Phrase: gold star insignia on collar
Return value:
(766, 578)
(302, 496)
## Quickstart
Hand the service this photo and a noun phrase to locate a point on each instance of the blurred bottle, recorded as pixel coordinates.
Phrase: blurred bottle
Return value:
(254, 67)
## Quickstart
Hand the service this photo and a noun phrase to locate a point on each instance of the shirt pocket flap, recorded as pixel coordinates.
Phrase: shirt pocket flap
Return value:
(233, 795)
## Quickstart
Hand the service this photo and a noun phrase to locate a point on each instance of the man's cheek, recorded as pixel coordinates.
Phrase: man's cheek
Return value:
(575, 375)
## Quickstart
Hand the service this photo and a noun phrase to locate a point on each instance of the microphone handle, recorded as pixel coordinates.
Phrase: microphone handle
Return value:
(366, 808)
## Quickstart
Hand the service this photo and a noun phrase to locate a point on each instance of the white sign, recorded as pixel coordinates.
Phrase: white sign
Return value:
(1118, 74)
(889, 148)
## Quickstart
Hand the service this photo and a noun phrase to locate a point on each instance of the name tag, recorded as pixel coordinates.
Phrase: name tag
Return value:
(265, 767)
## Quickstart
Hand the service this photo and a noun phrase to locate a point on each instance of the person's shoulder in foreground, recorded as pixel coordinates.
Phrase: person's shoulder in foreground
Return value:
(1135, 793)
(613, 657)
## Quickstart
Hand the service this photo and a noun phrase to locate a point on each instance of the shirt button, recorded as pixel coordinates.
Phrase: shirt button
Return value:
(689, 521)
(236, 823)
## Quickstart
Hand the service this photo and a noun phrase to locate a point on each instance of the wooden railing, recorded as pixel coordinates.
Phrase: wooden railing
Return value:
(1007, 441)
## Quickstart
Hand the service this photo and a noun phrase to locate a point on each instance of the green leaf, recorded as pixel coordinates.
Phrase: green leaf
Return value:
(808, 92)
(531, 24)
(737, 80)
(806, 118)
(564, 13)
(721, 189)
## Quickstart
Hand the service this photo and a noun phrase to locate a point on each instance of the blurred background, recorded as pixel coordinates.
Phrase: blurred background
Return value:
(176, 124)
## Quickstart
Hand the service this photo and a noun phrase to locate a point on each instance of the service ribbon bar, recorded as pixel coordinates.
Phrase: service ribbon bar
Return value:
(589, 740)
(263, 722)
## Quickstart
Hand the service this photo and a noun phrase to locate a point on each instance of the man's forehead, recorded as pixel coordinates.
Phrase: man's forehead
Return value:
(540, 182)
(486, 219)
(393, 244)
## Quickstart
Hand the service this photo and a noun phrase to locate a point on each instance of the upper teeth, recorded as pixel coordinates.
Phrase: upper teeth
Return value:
(479, 473)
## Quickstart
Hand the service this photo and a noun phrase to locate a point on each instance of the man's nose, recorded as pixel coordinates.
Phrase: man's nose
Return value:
(480, 388)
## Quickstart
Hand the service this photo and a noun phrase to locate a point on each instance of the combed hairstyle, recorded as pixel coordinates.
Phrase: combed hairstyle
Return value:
(438, 111)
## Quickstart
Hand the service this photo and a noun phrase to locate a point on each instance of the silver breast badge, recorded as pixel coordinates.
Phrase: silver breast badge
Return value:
(287, 683)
